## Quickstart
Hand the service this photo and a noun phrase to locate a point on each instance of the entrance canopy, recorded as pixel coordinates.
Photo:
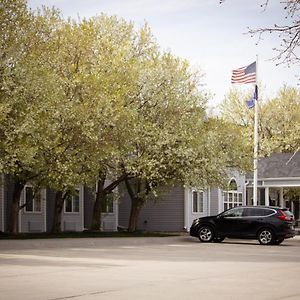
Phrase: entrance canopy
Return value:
(277, 170)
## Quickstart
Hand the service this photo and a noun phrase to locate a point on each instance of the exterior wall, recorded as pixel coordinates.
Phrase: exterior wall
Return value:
(166, 214)
(2, 204)
(8, 194)
(33, 221)
(89, 199)
(50, 203)
(42, 221)
(109, 221)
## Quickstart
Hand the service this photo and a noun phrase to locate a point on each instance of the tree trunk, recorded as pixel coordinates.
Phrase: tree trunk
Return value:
(14, 214)
(59, 203)
(137, 202)
(100, 197)
(136, 206)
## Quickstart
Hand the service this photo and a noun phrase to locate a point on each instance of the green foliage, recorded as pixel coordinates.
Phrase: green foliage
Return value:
(279, 119)
(81, 98)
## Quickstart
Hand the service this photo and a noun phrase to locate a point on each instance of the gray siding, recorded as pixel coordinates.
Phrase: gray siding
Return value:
(8, 193)
(165, 214)
(89, 199)
(50, 202)
(2, 203)
(214, 202)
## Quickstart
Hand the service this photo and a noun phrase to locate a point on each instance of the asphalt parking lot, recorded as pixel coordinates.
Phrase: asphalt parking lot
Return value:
(148, 268)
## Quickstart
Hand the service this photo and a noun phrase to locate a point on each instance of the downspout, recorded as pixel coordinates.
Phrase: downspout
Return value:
(245, 190)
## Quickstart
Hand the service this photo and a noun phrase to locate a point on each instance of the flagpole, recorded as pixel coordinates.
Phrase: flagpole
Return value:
(255, 156)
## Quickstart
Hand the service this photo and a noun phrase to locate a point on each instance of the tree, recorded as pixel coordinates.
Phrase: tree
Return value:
(173, 141)
(279, 119)
(24, 38)
(289, 33)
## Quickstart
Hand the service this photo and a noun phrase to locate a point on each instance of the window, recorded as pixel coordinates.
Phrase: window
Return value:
(234, 213)
(32, 200)
(232, 197)
(107, 205)
(197, 202)
(72, 203)
(257, 212)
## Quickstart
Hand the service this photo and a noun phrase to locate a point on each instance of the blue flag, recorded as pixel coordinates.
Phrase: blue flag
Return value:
(251, 102)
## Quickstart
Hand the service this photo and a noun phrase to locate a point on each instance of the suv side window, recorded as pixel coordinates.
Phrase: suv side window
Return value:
(267, 212)
(257, 212)
(234, 213)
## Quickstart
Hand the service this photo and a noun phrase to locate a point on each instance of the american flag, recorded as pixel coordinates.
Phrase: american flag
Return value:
(245, 74)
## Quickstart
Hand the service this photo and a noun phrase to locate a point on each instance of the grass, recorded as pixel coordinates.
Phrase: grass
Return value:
(84, 234)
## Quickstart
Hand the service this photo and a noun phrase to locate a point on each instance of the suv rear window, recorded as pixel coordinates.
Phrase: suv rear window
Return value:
(288, 214)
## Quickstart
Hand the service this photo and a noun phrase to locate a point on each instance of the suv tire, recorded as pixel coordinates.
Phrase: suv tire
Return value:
(206, 234)
(265, 236)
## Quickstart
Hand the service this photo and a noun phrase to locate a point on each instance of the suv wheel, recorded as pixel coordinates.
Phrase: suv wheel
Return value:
(266, 236)
(206, 234)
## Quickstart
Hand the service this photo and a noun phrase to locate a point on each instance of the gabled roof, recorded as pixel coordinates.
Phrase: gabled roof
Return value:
(278, 165)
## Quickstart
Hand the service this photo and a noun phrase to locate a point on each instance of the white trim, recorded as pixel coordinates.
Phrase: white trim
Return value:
(208, 202)
(198, 201)
(72, 199)
(33, 201)
(220, 201)
(275, 178)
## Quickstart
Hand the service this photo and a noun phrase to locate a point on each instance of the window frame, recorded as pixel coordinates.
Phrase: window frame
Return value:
(72, 199)
(34, 210)
(109, 204)
(199, 203)
(232, 197)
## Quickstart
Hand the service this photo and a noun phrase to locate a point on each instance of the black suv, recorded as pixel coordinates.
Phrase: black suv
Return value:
(270, 225)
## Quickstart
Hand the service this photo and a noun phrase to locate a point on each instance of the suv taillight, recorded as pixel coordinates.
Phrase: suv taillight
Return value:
(283, 216)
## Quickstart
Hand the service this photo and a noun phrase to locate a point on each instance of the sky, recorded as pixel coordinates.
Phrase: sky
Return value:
(212, 36)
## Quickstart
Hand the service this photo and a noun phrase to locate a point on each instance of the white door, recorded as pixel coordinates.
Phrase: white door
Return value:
(196, 206)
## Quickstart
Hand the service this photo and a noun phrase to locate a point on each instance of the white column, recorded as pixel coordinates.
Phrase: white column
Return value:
(281, 204)
(267, 193)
